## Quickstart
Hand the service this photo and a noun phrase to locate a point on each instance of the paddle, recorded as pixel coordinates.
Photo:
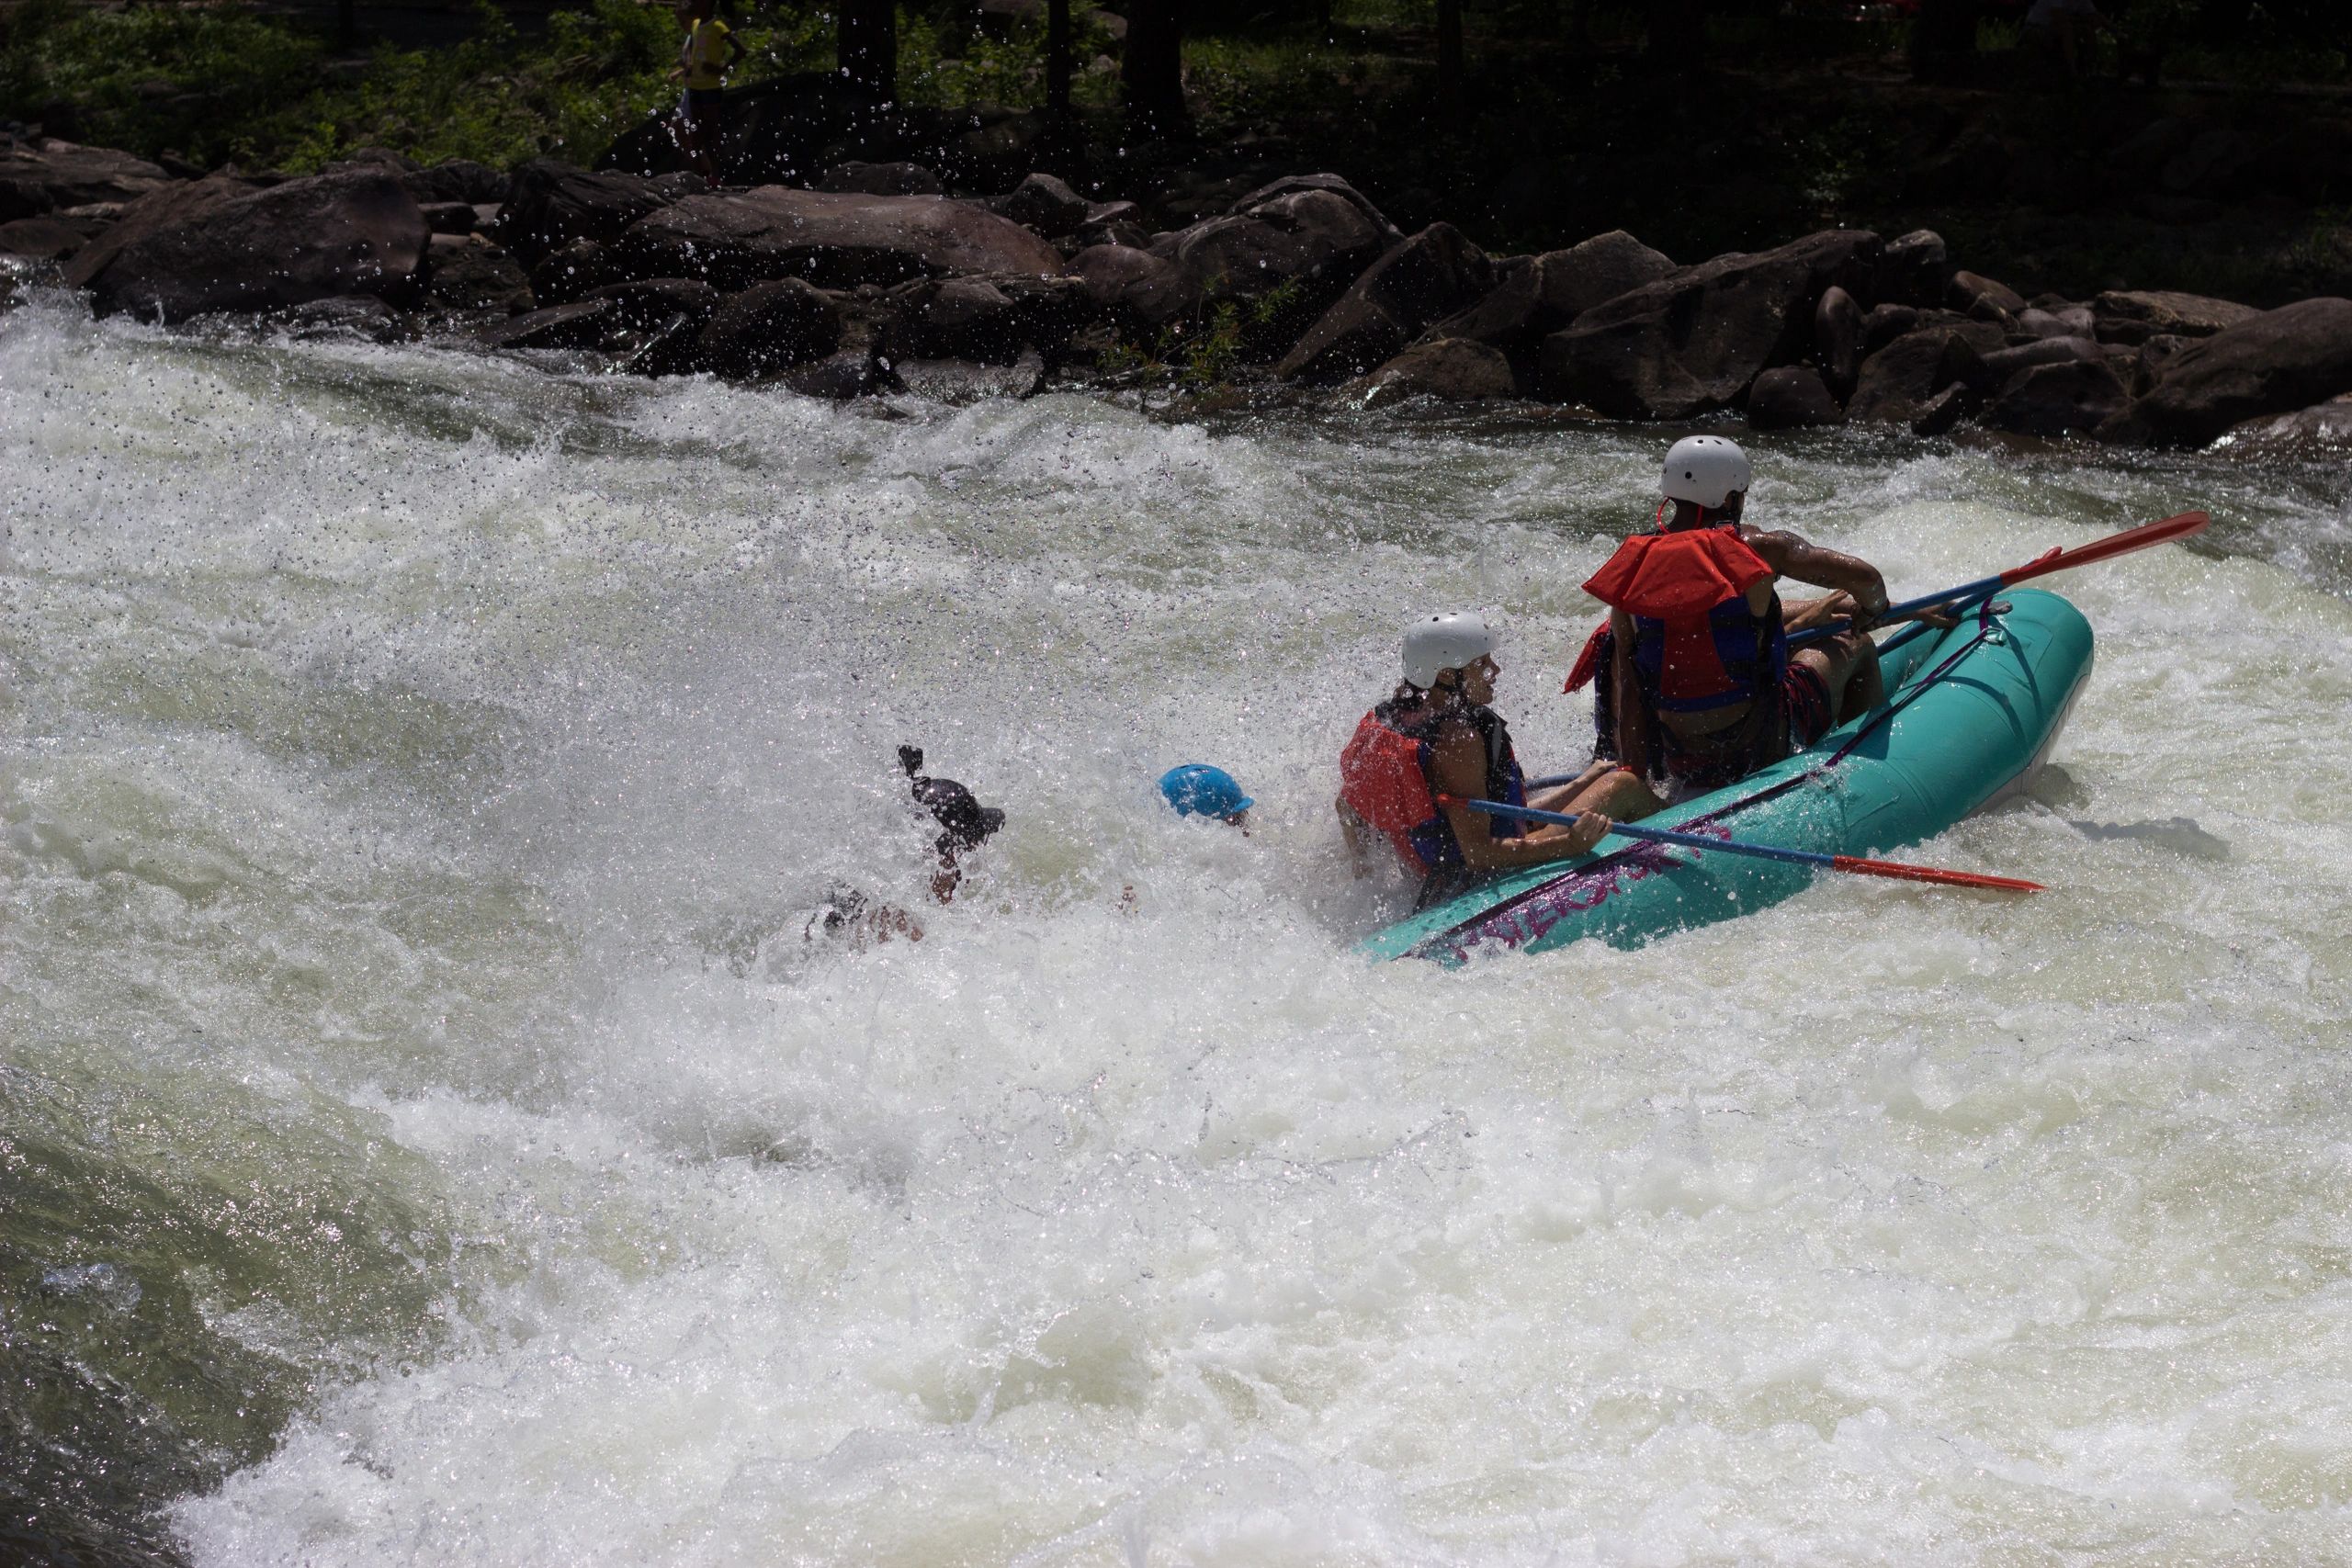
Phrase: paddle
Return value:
(1854, 864)
(2178, 526)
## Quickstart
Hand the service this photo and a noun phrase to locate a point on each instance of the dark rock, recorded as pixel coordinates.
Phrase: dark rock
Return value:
(989, 319)
(2214, 166)
(1695, 341)
(1133, 286)
(552, 203)
(467, 273)
(1546, 293)
(845, 374)
(1248, 205)
(1045, 204)
(2003, 365)
(1885, 324)
(1434, 274)
(2069, 320)
(47, 175)
(881, 179)
(1335, 236)
(833, 239)
(1455, 369)
(2150, 359)
(2133, 316)
(1103, 214)
(1944, 411)
(1968, 292)
(2322, 430)
(1792, 396)
(770, 327)
(40, 239)
(1325, 247)
(448, 217)
(2071, 397)
(580, 324)
(1914, 269)
(163, 209)
(2277, 362)
(357, 232)
(653, 304)
(457, 179)
(1838, 339)
(572, 270)
(1896, 383)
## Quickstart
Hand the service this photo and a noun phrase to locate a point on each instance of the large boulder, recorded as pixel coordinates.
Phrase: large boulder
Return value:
(1310, 244)
(1434, 274)
(1139, 290)
(1045, 204)
(1550, 291)
(2060, 398)
(881, 179)
(165, 208)
(1997, 368)
(836, 240)
(987, 319)
(1697, 340)
(48, 175)
(2322, 430)
(40, 240)
(1973, 295)
(2277, 362)
(1897, 382)
(1276, 197)
(1838, 334)
(770, 327)
(1914, 269)
(1453, 370)
(1792, 396)
(2133, 316)
(457, 179)
(358, 231)
(582, 323)
(466, 272)
(552, 203)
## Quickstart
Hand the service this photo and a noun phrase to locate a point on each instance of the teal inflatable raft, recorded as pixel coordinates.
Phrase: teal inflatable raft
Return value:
(1970, 715)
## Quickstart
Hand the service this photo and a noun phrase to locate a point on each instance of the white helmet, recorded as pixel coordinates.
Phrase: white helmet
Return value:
(1705, 470)
(1446, 641)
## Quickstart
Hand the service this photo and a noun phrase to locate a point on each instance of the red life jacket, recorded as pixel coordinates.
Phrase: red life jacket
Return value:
(1385, 779)
(1697, 645)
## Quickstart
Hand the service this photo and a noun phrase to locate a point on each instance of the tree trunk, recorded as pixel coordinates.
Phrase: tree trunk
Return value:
(1153, 69)
(1449, 61)
(1058, 60)
(867, 45)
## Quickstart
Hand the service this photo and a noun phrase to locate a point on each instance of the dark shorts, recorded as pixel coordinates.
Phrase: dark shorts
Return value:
(702, 102)
(1735, 754)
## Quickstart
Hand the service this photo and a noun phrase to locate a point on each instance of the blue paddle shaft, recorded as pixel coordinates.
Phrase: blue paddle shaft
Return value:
(1658, 835)
(1952, 598)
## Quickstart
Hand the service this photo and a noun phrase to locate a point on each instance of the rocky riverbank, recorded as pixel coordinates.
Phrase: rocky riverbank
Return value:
(880, 279)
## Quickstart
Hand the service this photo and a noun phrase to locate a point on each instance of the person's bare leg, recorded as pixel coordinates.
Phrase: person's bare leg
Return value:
(1561, 797)
(1619, 793)
(1848, 665)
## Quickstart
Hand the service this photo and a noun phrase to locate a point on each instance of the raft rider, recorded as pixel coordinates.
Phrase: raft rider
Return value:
(1436, 736)
(1701, 689)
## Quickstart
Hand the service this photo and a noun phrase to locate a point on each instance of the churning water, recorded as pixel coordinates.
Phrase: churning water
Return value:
(426, 1137)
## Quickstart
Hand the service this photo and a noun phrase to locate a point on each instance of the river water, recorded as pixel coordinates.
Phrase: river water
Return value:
(425, 1136)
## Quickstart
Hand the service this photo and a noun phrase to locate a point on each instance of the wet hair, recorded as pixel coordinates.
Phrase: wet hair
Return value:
(969, 824)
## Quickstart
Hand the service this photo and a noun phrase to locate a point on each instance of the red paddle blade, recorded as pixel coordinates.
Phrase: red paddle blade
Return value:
(1901, 872)
(2175, 527)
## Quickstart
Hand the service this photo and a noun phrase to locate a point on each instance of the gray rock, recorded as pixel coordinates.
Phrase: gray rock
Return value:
(448, 217)
(1792, 396)
(2277, 362)
(2133, 316)
(48, 176)
(552, 203)
(1248, 205)
(1543, 294)
(467, 273)
(357, 232)
(1899, 381)
(1913, 269)
(847, 373)
(833, 239)
(1697, 340)
(880, 179)
(580, 324)
(1885, 323)
(572, 270)
(40, 239)
(359, 316)
(1837, 331)
(770, 327)
(2002, 366)
(1434, 274)
(962, 382)
(2070, 320)
(647, 304)
(1453, 369)
(457, 179)
(2323, 430)
(2061, 398)
(1968, 293)
(1943, 411)
(1045, 204)
(1135, 287)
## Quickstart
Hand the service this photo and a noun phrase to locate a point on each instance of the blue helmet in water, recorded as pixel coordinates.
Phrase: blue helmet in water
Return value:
(1195, 789)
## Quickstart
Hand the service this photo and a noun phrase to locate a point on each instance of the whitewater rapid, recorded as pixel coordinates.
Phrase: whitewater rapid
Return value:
(426, 1138)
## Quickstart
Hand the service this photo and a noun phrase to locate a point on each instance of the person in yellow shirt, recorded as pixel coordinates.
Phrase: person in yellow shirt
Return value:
(710, 49)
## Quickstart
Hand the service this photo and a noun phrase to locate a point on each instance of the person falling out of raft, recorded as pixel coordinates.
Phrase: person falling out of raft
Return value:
(711, 48)
(1698, 686)
(1436, 736)
(964, 825)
